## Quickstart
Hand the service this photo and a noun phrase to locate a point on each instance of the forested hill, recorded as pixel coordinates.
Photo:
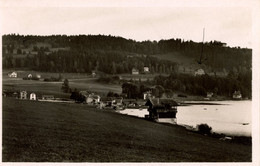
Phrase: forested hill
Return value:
(113, 55)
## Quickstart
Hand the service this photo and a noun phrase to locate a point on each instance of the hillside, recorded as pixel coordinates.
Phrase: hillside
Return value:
(116, 55)
(51, 132)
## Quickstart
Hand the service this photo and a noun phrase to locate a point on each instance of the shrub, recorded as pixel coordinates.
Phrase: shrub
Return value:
(204, 129)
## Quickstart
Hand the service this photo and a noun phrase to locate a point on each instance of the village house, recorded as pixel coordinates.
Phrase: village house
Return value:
(199, 72)
(161, 108)
(32, 96)
(12, 75)
(147, 95)
(135, 71)
(29, 76)
(92, 99)
(146, 69)
(23, 95)
(237, 95)
(38, 76)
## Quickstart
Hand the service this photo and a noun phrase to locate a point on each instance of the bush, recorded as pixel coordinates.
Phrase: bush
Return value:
(204, 129)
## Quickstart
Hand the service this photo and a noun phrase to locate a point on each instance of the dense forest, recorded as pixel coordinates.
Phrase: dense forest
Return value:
(114, 55)
(117, 55)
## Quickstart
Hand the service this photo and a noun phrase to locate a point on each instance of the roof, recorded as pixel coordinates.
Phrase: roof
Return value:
(161, 102)
(94, 96)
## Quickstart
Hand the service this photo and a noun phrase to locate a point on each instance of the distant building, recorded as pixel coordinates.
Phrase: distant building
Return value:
(135, 71)
(199, 72)
(12, 75)
(23, 95)
(147, 95)
(146, 70)
(237, 95)
(32, 96)
(38, 76)
(29, 75)
(92, 99)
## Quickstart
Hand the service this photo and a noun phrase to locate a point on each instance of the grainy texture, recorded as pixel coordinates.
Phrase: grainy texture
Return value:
(40, 131)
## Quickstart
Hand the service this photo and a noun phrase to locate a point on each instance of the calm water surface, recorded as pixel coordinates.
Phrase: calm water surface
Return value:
(232, 117)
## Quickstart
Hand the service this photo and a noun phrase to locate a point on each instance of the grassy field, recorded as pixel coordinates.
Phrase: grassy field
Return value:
(39, 131)
(54, 88)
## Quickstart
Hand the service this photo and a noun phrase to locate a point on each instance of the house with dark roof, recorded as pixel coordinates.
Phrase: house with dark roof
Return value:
(161, 108)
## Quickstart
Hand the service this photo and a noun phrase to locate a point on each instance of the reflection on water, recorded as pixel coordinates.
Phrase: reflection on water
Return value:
(233, 117)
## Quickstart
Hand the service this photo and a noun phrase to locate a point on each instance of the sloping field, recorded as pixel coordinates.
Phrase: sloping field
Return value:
(40, 131)
(41, 87)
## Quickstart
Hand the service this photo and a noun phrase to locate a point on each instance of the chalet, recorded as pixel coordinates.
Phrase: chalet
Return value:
(199, 72)
(161, 108)
(38, 76)
(92, 99)
(135, 71)
(32, 96)
(147, 95)
(12, 75)
(23, 95)
(29, 76)
(47, 97)
(237, 95)
(146, 69)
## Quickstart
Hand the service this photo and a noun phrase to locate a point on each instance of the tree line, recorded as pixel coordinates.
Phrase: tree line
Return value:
(193, 85)
(215, 53)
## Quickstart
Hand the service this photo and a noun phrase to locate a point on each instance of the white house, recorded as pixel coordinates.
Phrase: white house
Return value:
(32, 96)
(12, 75)
(146, 69)
(135, 71)
(38, 76)
(29, 75)
(93, 99)
(199, 72)
(23, 95)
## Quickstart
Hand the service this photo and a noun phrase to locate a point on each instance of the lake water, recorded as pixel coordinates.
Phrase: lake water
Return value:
(231, 117)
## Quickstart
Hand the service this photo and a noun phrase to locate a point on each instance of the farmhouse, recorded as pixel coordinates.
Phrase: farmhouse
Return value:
(29, 76)
(12, 75)
(147, 95)
(161, 108)
(92, 99)
(32, 96)
(135, 71)
(23, 95)
(199, 72)
(146, 69)
(38, 76)
(237, 95)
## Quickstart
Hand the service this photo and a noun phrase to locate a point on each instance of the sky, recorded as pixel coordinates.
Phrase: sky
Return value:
(231, 24)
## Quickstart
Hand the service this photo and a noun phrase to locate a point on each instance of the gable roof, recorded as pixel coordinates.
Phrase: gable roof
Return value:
(161, 102)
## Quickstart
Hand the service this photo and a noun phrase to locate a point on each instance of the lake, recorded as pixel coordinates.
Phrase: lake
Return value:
(230, 117)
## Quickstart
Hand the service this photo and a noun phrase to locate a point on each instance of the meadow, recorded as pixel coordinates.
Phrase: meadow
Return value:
(57, 132)
(40, 87)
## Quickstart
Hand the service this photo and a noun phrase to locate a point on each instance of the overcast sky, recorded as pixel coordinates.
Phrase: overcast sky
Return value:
(232, 25)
